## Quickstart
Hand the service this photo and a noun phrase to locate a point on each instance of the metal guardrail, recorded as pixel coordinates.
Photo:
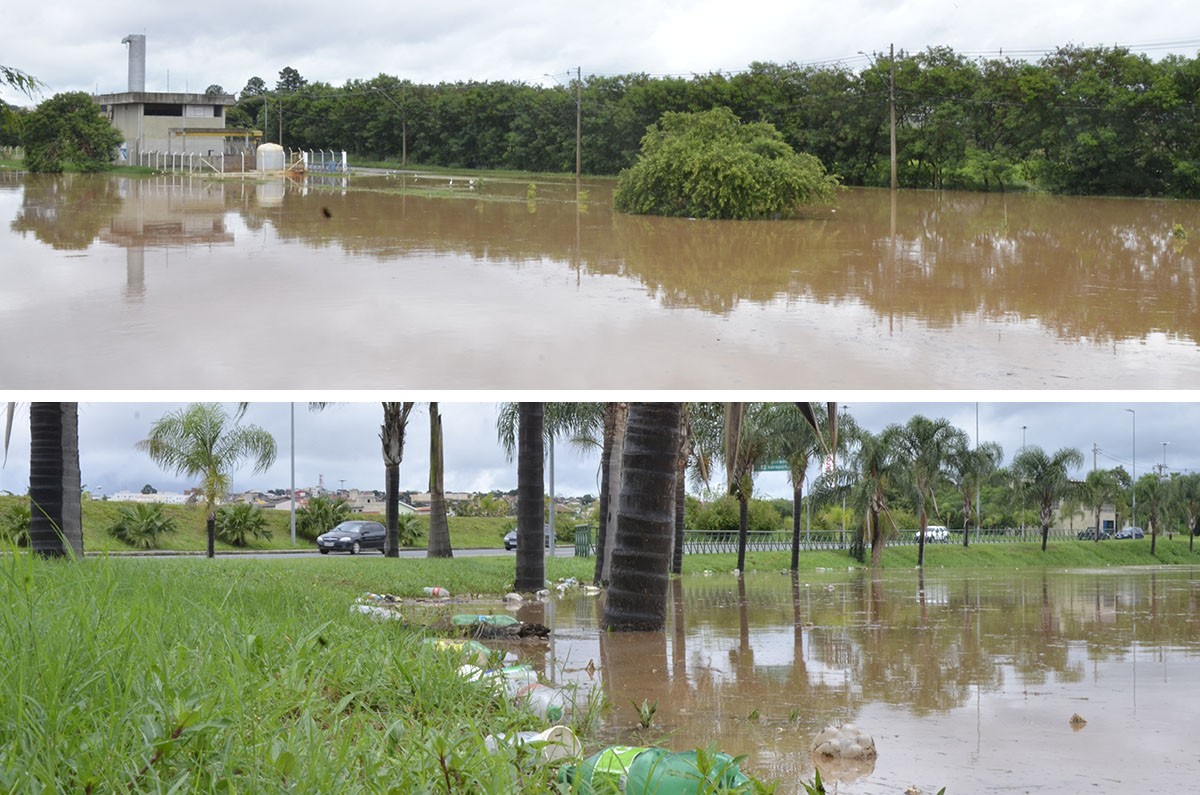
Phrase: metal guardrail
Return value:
(725, 541)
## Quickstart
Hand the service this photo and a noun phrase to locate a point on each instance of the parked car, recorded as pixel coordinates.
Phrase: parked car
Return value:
(353, 537)
(510, 538)
(1130, 532)
(1090, 535)
(936, 534)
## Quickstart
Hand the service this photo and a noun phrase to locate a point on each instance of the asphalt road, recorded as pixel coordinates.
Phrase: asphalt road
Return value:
(561, 551)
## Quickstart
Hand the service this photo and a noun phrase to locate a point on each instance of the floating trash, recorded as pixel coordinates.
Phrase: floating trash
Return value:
(557, 742)
(378, 612)
(437, 592)
(628, 769)
(846, 742)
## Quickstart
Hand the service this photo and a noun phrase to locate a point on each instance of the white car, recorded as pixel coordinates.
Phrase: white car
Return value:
(936, 534)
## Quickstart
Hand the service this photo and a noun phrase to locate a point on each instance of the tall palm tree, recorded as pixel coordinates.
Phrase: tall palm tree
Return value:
(1045, 479)
(531, 561)
(439, 527)
(926, 445)
(799, 438)
(968, 467)
(875, 469)
(391, 438)
(637, 597)
(1187, 496)
(1100, 487)
(203, 441)
(1154, 493)
(55, 493)
(747, 445)
(613, 422)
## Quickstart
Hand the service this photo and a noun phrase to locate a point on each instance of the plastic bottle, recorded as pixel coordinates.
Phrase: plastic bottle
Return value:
(546, 702)
(510, 678)
(437, 591)
(472, 650)
(559, 742)
(645, 771)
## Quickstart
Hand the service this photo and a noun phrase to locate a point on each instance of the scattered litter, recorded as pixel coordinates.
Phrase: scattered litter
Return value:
(557, 742)
(1077, 722)
(471, 650)
(846, 742)
(511, 678)
(549, 703)
(513, 599)
(437, 591)
(378, 612)
(542, 594)
(622, 768)
(490, 627)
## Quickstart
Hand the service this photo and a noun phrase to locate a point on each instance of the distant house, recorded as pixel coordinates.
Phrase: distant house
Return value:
(165, 497)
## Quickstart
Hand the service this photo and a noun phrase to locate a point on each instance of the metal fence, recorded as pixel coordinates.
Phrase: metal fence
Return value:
(320, 161)
(12, 153)
(195, 162)
(725, 541)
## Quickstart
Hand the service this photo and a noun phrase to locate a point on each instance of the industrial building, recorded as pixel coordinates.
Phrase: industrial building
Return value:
(170, 122)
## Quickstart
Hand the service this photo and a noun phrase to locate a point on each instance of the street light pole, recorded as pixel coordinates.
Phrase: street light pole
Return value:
(1133, 511)
(1023, 427)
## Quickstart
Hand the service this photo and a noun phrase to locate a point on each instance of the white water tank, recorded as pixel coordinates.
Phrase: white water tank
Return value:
(269, 157)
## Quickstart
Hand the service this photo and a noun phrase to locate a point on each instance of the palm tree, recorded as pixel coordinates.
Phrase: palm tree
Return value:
(201, 441)
(391, 437)
(1100, 487)
(614, 416)
(531, 562)
(799, 438)
(925, 444)
(1154, 493)
(439, 528)
(55, 493)
(747, 445)
(1045, 478)
(875, 469)
(1186, 490)
(637, 597)
(968, 467)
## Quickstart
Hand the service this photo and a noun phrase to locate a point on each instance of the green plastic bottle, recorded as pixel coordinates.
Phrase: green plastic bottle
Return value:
(630, 770)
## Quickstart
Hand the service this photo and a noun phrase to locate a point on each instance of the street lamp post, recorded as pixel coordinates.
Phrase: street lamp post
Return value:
(1023, 427)
(1133, 511)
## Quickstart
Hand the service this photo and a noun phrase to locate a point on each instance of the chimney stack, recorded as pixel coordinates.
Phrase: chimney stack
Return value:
(137, 61)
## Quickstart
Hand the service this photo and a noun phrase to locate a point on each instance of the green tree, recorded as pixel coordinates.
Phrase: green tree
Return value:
(1044, 478)
(710, 165)
(255, 87)
(214, 90)
(203, 441)
(238, 525)
(925, 445)
(68, 130)
(14, 524)
(1187, 496)
(1154, 494)
(289, 80)
(140, 525)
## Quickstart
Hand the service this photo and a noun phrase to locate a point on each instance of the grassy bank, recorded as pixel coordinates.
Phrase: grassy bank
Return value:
(465, 532)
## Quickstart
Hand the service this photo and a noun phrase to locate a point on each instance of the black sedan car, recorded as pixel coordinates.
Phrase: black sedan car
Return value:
(352, 537)
(1130, 532)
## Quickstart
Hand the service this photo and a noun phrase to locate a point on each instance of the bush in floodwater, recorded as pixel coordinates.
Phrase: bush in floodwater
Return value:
(14, 524)
(68, 130)
(711, 165)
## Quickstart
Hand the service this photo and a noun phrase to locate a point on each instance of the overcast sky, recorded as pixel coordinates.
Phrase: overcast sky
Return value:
(74, 45)
(342, 443)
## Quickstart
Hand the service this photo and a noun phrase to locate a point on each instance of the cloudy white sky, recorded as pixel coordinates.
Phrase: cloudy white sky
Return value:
(342, 442)
(74, 45)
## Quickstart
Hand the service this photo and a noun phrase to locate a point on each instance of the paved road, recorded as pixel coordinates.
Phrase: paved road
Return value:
(561, 551)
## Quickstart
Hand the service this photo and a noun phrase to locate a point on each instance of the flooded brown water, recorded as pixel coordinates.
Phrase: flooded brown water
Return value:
(181, 282)
(966, 679)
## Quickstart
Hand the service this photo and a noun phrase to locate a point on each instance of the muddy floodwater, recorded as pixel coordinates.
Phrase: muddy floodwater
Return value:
(440, 282)
(966, 679)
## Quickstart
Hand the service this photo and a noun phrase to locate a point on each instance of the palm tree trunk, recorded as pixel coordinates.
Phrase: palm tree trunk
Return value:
(743, 528)
(531, 556)
(610, 416)
(439, 528)
(1096, 538)
(391, 481)
(966, 519)
(615, 477)
(210, 529)
(797, 502)
(1045, 525)
(637, 597)
(680, 491)
(876, 541)
(923, 523)
(1153, 534)
(55, 494)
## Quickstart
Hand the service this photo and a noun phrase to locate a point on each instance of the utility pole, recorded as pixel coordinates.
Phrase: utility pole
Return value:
(1094, 451)
(578, 121)
(281, 121)
(892, 108)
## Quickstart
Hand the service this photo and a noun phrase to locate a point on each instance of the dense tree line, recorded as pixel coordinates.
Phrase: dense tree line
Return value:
(1098, 120)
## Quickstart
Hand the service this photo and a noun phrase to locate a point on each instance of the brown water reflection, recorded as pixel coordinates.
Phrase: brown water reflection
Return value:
(916, 289)
(965, 679)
